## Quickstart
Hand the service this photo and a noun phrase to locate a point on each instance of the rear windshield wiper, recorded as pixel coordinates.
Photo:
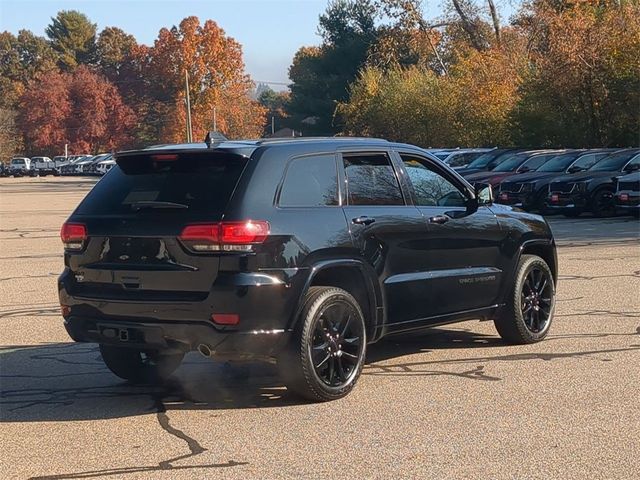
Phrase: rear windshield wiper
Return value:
(154, 204)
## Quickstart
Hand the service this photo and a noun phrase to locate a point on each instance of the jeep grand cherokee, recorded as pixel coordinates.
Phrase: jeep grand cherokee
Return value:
(299, 250)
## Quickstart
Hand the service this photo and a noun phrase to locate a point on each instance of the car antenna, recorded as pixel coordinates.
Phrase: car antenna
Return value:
(214, 137)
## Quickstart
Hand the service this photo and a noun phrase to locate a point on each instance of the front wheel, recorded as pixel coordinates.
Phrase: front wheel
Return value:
(603, 204)
(529, 308)
(328, 347)
(138, 366)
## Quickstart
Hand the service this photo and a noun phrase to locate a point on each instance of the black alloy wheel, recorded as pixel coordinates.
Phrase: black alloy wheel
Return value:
(528, 311)
(537, 297)
(603, 204)
(328, 346)
(336, 344)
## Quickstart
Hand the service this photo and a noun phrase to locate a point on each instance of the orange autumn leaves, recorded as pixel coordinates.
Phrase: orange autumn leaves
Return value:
(217, 81)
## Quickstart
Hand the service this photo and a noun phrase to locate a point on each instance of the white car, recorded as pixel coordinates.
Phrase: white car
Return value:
(19, 166)
(43, 166)
(105, 166)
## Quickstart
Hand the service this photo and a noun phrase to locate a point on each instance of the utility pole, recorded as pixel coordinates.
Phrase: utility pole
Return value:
(66, 150)
(273, 124)
(189, 132)
(215, 120)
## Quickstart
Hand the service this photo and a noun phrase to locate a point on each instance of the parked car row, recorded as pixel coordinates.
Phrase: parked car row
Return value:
(570, 182)
(73, 165)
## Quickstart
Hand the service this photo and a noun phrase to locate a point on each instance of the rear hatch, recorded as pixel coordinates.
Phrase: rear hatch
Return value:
(133, 218)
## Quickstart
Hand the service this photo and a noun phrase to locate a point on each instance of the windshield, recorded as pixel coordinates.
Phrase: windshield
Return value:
(559, 163)
(17, 161)
(484, 159)
(511, 163)
(614, 162)
(201, 184)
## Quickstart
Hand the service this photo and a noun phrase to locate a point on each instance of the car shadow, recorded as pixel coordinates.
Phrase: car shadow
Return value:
(69, 381)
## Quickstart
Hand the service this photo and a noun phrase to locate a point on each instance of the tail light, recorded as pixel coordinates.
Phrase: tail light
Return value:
(225, 236)
(73, 235)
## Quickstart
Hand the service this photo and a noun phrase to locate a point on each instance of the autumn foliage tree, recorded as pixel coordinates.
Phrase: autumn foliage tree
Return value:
(217, 82)
(81, 109)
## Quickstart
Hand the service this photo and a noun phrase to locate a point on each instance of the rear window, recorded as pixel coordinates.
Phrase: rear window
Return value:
(310, 182)
(17, 161)
(194, 183)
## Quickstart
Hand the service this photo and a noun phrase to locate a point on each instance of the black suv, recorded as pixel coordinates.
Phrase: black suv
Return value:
(592, 190)
(529, 190)
(298, 250)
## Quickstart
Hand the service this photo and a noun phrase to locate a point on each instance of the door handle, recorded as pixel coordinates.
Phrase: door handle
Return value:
(439, 219)
(363, 220)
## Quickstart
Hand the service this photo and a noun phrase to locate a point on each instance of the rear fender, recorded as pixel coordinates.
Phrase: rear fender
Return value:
(372, 288)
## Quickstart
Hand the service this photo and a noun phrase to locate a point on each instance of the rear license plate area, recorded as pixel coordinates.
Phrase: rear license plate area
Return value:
(136, 250)
(555, 198)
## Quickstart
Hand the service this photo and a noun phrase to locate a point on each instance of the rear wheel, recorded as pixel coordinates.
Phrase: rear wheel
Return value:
(529, 309)
(140, 366)
(329, 345)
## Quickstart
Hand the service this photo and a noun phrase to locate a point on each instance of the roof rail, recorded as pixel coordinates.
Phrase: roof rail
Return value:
(261, 141)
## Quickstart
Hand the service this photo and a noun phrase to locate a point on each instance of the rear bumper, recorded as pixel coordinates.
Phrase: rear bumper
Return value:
(180, 336)
(265, 305)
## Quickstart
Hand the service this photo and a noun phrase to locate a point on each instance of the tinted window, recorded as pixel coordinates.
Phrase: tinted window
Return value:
(615, 161)
(430, 188)
(460, 159)
(310, 182)
(536, 162)
(586, 161)
(486, 158)
(559, 163)
(511, 163)
(371, 180)
(201, 184)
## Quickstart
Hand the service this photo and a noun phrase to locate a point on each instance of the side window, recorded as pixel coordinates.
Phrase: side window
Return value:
(585, 161)
(371, 180)
(310, 182)
(536, 162)
(430, 187)
(633, 164)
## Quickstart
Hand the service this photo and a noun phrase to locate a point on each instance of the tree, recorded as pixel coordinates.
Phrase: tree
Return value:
(276, 104)
(321, 75)
(82, 109)
(22, 59)
(114, 49)
(73, 36)
(10, 139)
(217, 81)
(583, 87)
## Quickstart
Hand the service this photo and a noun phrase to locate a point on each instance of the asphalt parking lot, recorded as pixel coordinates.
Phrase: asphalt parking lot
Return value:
(451, 403)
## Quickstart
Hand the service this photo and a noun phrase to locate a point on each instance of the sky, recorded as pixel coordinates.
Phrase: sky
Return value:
(271, 31)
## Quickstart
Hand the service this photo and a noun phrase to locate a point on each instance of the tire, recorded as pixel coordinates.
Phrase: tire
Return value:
(603, 204)
(139, 366)
(527, 318)
(328, 348)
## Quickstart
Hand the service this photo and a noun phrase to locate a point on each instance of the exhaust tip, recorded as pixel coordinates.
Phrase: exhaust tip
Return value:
(204, 350)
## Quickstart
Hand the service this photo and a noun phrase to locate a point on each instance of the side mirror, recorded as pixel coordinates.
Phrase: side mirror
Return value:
(484, 193)
(632, 167)
(523, 169)
(575, 169)
(484, 196)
